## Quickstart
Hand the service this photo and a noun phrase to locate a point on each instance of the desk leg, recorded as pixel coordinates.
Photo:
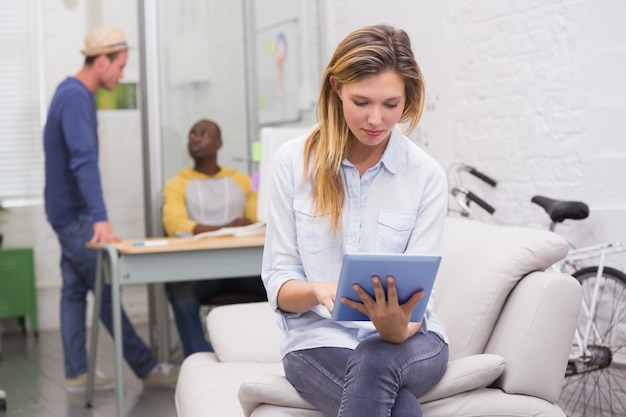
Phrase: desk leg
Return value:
(159, 323)
(116, 305)
(95, 320)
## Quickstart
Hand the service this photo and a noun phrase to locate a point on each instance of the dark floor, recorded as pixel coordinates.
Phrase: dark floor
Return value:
(31, 374)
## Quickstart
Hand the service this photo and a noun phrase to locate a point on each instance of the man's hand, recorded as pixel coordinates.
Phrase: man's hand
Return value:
(102, 233)
(201, 228)
(240, 221)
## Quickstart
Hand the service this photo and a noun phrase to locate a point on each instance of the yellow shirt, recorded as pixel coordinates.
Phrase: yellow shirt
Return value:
(192, 197)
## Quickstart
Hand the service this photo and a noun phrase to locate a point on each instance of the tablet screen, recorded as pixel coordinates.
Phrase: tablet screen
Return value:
(412, 273)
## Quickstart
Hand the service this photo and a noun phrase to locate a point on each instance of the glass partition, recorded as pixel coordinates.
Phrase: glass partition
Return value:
(244, 64)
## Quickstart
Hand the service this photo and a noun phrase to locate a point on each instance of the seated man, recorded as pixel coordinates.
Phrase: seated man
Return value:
(205, 198)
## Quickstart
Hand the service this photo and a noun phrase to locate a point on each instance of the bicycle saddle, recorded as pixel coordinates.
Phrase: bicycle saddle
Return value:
(559, 210)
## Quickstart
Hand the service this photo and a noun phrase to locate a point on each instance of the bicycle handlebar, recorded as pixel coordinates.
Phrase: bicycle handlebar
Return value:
(482, 203)
(462, 195)
(480, 175)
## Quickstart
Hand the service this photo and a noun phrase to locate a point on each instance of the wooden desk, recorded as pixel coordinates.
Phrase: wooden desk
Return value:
(182, 259)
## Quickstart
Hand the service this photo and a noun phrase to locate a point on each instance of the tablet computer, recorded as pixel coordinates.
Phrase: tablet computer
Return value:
(413, 273)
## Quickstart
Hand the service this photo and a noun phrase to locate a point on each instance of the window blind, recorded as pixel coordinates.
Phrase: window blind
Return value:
(21, 149)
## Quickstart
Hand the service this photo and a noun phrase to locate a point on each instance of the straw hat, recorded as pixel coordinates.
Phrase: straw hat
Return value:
(105, 41)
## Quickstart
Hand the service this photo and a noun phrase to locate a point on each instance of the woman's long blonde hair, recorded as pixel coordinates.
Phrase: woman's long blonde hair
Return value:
(363, 53)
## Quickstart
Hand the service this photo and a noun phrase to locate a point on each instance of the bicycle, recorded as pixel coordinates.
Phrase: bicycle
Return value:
(462, 195)
(595, 378)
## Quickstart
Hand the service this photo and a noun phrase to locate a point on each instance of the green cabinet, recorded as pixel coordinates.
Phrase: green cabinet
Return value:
(18, 297)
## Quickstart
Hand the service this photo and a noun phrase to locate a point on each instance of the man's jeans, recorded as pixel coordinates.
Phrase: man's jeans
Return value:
(78, 268)
(186, 298)
(376, 379)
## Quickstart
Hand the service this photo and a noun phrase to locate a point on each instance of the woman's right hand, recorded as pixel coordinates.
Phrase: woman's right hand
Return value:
(325, 293)
(297, 296)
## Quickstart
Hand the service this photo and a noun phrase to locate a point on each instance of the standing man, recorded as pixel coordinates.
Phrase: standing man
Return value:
(76, 211)
(201, 199)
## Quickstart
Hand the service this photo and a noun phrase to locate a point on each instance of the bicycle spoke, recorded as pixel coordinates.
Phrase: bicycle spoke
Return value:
(614, 386)
(596, 384)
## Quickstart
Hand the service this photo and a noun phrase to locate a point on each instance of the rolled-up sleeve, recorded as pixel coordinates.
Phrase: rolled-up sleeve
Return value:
(281, 260)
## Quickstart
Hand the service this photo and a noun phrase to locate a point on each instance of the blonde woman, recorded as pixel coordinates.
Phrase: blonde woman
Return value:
(355, 183)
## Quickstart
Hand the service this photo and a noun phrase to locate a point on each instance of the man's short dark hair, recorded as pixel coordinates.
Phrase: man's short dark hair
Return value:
(89, 60)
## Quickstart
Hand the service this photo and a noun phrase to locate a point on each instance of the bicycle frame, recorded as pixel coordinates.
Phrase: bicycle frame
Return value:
(591, 384)
(568, 265)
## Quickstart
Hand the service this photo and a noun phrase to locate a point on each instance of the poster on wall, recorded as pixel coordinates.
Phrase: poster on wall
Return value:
(122, 97)
(277, 58)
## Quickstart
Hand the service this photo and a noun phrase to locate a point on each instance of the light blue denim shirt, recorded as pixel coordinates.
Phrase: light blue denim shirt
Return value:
(397, 206)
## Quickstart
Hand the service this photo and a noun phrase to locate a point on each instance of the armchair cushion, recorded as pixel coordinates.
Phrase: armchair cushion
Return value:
(490, 402)
(269, 389)
(466, 374)
(480, 266)
(207, 386)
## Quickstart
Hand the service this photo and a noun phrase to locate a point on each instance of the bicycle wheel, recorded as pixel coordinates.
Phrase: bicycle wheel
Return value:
(595, 385)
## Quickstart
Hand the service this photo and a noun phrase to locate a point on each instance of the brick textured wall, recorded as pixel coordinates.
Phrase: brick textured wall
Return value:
(532, 93)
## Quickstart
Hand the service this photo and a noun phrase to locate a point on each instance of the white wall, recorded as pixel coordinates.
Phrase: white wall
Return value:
(120, 152)
(210, 35)
(303, 50)
(532, 93)
(220, 92)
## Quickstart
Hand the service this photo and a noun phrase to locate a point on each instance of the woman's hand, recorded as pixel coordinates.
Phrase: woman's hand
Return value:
(300, 296)
(325, 293)
(391, 319)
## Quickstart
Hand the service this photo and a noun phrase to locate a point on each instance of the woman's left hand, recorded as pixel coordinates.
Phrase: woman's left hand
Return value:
(391, 319)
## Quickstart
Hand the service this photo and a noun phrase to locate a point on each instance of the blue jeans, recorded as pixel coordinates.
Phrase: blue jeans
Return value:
(375, 379)
(78, 268)
(186, 298)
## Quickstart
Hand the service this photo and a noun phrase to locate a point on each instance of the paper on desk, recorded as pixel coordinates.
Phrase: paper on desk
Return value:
(254, 229)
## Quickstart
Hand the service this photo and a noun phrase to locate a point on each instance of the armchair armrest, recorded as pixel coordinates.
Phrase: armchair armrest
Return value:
(245, 333)
(534, 334)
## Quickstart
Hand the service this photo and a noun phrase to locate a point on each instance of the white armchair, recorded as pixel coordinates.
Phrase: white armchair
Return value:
(510, 325)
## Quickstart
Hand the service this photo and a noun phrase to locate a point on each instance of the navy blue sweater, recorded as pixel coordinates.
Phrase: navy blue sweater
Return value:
(70, 140)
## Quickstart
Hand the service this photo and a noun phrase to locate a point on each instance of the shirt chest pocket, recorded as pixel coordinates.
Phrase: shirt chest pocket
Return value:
(394, 230)
(312, 231)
